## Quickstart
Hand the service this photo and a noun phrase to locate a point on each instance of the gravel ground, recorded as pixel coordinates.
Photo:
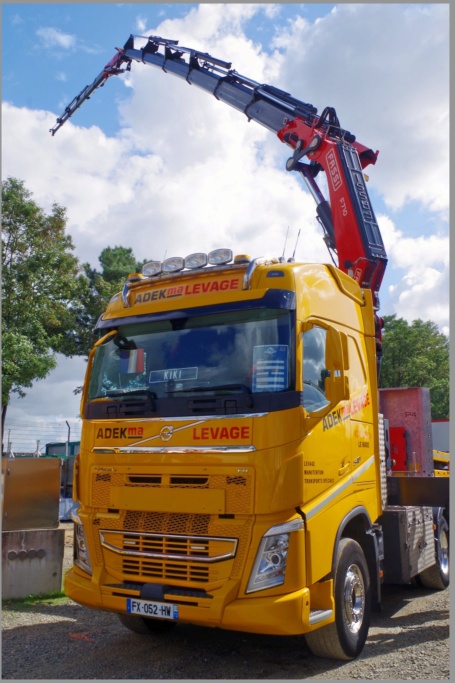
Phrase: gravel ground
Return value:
(409, 640)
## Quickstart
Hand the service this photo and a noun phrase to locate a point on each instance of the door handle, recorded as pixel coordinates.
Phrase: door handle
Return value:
(343, 470)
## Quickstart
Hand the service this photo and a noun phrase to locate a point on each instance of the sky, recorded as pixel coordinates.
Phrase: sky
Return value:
(154, 164)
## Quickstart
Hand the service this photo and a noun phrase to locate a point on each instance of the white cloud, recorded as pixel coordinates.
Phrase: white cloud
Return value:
(52, 37)
(420, 268)
(406, 252)
(422, 294)
(227, 198)
(141, 23)
(16, 20)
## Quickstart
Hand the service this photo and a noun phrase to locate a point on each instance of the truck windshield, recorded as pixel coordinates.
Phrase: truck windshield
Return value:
(249, 351)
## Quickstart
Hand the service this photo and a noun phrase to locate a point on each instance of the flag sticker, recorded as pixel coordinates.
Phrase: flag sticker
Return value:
(270, 368)
(131, 361)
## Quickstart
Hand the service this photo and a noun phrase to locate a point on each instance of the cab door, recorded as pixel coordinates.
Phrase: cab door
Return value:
(325, 406)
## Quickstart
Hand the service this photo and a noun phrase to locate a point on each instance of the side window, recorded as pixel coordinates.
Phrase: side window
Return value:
(314, 369)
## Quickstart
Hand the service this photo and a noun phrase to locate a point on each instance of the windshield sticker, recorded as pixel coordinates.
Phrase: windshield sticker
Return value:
(172, 374)
(131, 361)
(270, 368)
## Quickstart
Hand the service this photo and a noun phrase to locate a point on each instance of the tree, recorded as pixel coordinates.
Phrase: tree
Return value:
(417, 355)
(40, 287)
(99, 287)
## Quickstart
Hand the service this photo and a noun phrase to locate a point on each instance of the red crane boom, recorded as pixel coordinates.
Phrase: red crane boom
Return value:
(350, 227)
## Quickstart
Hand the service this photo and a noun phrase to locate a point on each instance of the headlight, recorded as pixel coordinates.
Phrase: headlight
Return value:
(269, 567)
(81, 554)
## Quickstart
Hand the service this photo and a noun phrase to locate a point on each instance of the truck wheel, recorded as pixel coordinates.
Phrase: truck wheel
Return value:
(437, 576)
(346, 636)
(145, 626)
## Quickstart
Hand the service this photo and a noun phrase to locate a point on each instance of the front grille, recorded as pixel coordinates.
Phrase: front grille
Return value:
(193, 548)
(178, 547)
(185, 559)
(165, 571)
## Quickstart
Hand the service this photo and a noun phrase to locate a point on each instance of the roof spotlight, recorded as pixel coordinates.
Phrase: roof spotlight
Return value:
(151, 268)
(219, 257)
(173, 264)
(197, 260)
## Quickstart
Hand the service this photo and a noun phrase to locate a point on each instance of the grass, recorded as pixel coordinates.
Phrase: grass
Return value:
(54, 598)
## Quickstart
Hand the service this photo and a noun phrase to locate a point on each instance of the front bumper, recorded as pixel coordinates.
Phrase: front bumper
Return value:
(287, 614)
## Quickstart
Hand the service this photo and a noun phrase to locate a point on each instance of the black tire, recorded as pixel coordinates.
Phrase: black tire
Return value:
(438, 575)
(345, 637)
(145, 626)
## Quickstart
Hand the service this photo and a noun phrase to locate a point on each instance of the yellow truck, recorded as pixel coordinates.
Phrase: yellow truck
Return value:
(236, 468)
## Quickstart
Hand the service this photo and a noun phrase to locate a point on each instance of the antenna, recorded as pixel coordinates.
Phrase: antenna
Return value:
(285, 242)
(292, 259)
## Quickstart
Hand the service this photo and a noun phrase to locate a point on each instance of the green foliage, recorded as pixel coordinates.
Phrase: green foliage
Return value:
(100, 286)
(40, 288)
(117, 263)
(417, 355)
(21, 365)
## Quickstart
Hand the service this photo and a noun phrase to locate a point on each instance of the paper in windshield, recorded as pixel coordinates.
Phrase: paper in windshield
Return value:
(270, 367)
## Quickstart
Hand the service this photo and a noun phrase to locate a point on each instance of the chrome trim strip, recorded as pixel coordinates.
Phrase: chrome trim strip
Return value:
(188, 418)
(175, 449)
(170, 556)
(320, 615)
(230, 416)
(349, 481)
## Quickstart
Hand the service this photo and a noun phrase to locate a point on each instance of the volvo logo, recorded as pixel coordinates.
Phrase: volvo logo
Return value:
(166, 433)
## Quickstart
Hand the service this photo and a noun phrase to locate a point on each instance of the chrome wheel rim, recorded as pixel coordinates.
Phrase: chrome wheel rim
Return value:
(444, 552)
(354, 599)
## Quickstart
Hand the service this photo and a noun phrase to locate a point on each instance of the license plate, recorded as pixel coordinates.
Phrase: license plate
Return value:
(146, 608)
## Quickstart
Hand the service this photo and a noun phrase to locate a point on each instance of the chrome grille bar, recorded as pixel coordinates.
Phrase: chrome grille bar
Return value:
(166, 540)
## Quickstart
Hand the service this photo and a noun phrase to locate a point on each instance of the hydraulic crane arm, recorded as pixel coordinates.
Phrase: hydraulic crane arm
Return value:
(112, 68)
(348, 221)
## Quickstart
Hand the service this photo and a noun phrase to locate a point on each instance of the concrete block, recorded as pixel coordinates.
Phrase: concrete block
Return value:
(32, 562)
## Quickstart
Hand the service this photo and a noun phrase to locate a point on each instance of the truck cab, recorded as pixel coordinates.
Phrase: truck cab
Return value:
(229, 438)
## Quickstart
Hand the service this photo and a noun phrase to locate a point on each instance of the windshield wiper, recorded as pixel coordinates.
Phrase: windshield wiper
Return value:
(220, 387)
(134, 392)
